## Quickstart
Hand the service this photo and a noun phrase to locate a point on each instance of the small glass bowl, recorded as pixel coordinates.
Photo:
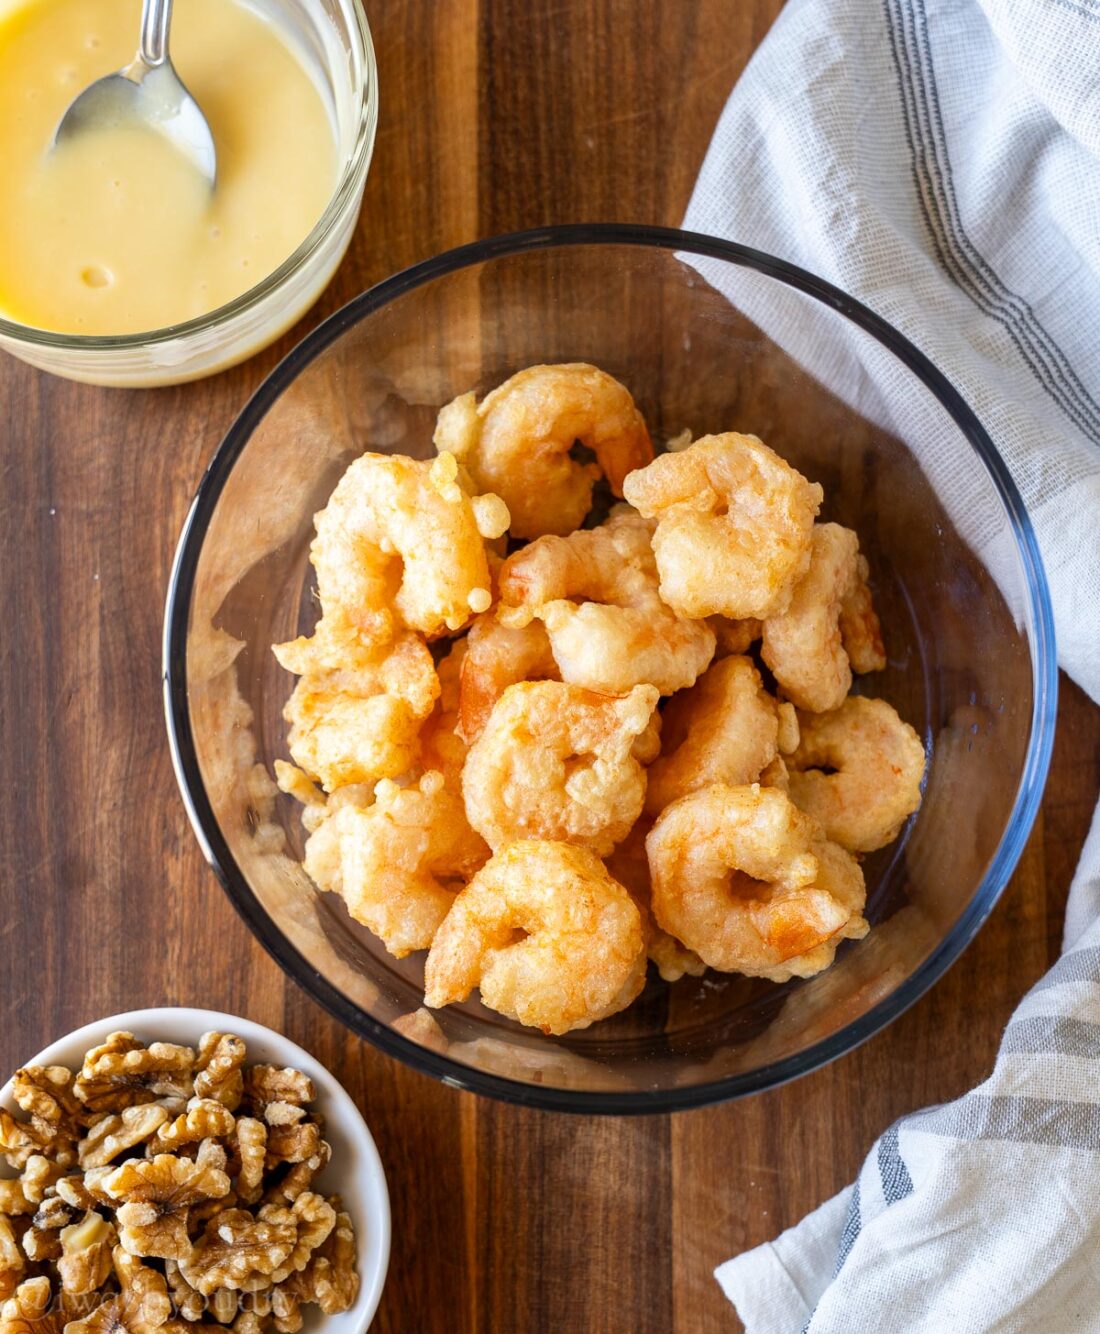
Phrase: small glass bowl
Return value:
(709, 336)
(333, 37)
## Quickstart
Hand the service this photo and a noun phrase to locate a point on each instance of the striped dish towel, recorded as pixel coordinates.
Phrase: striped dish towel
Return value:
(940, 160)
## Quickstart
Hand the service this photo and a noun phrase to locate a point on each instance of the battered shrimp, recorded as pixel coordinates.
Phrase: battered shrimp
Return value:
(787, 716)
(317, 807)
(734, 636)
(629, 865)
(802, 646)
(517, 442)
(777, 775)
(840, 877)
(556, 762)
(596, 592)
(400, 543)
(745, 879)
(499, 656)
(725, 729)
(548, 936)
(859, 624)
(359, 724)
(441, 745)
(873, 765)
(733, 531)
(399, 863)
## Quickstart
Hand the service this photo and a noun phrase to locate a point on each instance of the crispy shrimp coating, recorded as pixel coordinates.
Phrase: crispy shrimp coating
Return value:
(497, 657)
(545, 932)
(359, 723)
(629, 865)
(802, 646)
(398, 863)
(859, 624)
(776, 775)
(725, 729)
(317, 807)
(787, 716)
(733, 531)
(442, 745)
(744, 878)
(858, 770)
(557, 762)
(734, 637)
(596, 592)
(401, 544)
(517, 442)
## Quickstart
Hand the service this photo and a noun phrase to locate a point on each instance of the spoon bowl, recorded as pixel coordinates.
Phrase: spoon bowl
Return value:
(146, 93)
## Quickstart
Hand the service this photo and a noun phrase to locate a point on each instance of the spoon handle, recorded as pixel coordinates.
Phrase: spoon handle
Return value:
(155, 17)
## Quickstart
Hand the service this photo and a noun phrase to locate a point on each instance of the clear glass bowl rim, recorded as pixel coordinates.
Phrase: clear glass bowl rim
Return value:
(344, 191)
(216, 850)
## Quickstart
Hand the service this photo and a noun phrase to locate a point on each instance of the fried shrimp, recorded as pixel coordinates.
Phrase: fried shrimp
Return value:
(497, 657)
(777, 775)
(725, 729)
(316, 806)
(802, 646)
(546, 934)
(359, 723)
(840, 877)
(441, 745)
(733, 531)
(629, 865)
(596, 592)
(548, 766)
(745, 879)
(860, 630)
(399, 863)
(555, 761)
(517, 442)
(400, 543)
(734, 637)
(858, 770)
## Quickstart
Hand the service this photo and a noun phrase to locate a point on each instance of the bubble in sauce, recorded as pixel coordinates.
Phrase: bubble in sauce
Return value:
(96, 275)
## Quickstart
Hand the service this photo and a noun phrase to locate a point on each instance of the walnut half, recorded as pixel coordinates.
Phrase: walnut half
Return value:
(12, 1264)
(157, 1194)
(113, 1133)
(330, 1278)
(121, 1073)
(86, 1253)
(238, 1251)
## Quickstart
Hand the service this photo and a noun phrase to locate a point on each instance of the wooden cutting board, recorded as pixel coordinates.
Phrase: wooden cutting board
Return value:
(494, 116)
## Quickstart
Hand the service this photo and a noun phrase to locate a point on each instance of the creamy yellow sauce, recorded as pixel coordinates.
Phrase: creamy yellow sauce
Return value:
(114, 231)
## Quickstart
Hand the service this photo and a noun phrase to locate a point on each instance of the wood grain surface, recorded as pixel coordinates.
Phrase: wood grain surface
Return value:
(494, 115)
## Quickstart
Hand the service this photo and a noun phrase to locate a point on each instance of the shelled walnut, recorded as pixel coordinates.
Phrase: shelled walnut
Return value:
(167, 1190)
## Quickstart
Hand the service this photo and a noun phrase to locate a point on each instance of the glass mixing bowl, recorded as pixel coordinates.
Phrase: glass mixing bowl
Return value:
(708, 336)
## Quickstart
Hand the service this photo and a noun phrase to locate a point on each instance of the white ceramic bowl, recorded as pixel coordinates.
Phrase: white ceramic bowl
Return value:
(355, 1171)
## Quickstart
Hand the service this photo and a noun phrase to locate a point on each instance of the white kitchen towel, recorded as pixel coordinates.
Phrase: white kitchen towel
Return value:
(940, 160)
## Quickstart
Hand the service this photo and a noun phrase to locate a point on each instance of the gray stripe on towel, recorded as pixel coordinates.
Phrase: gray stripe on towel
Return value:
(852, 1225)
(1077, 966)
(1070, 1125)
(896, 1181)
(1049, 1033)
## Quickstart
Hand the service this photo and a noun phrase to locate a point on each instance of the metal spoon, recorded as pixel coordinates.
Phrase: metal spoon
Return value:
(148, 91)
